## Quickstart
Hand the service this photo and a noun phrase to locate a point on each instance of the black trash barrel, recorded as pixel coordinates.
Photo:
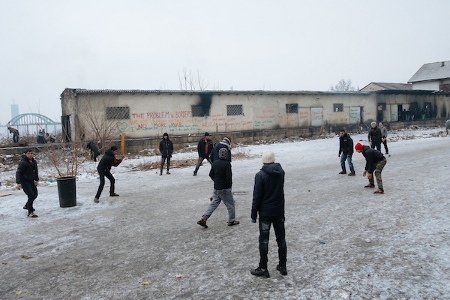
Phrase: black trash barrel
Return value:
(67, 191)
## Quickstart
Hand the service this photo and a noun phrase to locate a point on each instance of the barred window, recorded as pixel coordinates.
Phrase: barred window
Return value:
(234, 110)
(338, 107)
(292, 108)
(197, 111)
(117, 113)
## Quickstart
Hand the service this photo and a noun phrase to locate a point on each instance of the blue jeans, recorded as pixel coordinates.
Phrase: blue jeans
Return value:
(347, 157)
(227, 196)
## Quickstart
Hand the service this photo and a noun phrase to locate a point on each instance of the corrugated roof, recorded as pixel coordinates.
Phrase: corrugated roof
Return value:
(432, 71)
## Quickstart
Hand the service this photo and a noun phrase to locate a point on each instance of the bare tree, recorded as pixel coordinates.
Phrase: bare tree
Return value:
(343, 86)
(187, 81)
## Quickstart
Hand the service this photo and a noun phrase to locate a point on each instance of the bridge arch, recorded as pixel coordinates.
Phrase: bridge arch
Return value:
(31, 123)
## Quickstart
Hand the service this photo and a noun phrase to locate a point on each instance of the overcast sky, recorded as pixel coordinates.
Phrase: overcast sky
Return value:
(47, 46)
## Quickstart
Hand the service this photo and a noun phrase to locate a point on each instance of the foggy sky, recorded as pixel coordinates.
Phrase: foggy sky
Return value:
(47, 46)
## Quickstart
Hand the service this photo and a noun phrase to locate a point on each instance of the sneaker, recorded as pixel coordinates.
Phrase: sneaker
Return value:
(233, 223)
(370, 186)
(202, 223)
(195, 174)
(114, 195)
(96, 200)
(342, 172)
(32, 215)
(380, 191)
(160, 174)
(260, 272)
(282, 270)
(168, 173)
(351, 174)
(25, 207)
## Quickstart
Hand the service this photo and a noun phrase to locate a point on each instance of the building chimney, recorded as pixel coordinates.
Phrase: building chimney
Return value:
(442, 63)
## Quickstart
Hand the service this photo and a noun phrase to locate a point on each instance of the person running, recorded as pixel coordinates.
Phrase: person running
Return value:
(204, 148)
(104, 170)
(268, 202)
(346, 152)
(221, 174)
(166, 149)
(27, 178)
(375, 162)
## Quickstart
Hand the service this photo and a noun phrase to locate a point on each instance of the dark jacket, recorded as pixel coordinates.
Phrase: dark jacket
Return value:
(166, 147)
(204, 148)
(372, 156)
(215, 152)
(268, 192)
(27, 171)
(374, 135)
(346, 144)
(220, 173)
(91, 146)
(108, 160)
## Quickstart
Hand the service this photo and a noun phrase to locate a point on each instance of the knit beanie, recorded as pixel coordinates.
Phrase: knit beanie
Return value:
(223, 153)
(268, 157)
(373, 123)
(358, 147)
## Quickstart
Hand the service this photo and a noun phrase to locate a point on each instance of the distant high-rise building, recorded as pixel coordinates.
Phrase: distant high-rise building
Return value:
(14, 110)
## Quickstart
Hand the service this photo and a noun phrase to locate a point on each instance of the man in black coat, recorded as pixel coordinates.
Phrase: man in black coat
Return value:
(94, 150)
(221, 174)
(104, 170)
(268, 201)
(166, 149)
(346, 150)
(204, 148)
(375, 162)
(27, 178)
(225, 143)
(374, 136)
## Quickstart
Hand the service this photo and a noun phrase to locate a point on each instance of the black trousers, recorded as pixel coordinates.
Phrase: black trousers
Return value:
(30, 189)
(264, 231)
(108, 175)
(163, 159)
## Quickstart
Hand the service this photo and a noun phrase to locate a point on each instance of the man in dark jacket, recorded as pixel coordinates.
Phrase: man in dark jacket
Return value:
(94, 150)
(375, 162)
(166, 149)
(225, 143)
(268, 201)
(204, 148)
(27, 178)
(374, 136)
(220, 173)
(104, 169)
(15, 134)
(346, 152)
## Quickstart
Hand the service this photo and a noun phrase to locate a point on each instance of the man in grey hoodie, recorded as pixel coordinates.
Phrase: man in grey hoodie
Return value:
(268, 201)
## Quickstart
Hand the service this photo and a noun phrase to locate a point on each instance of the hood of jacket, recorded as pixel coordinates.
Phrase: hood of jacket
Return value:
(109, 152)
(273, 169)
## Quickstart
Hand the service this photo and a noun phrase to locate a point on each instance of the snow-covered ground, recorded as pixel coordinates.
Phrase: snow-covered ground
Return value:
(344, 242)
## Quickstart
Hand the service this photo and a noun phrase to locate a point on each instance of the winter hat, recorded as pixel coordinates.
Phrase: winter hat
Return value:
(373, 123)
(226, 141)
(207, 134)
(165, 134)
(113, 148)
(358, 147)
(268, 157)
(223, 153)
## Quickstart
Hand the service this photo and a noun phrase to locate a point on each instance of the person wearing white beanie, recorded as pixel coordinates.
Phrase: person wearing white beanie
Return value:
(268, 202)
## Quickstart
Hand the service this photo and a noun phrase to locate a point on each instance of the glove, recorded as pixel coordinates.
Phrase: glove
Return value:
(253, 220)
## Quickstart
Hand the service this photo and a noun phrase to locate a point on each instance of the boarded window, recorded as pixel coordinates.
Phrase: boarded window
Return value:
(338, 107)
(292, 108)
(197, 111)
(117, 113)
(234, 110)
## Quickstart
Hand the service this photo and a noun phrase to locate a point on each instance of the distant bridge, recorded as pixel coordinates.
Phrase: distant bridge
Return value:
(31, 123)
